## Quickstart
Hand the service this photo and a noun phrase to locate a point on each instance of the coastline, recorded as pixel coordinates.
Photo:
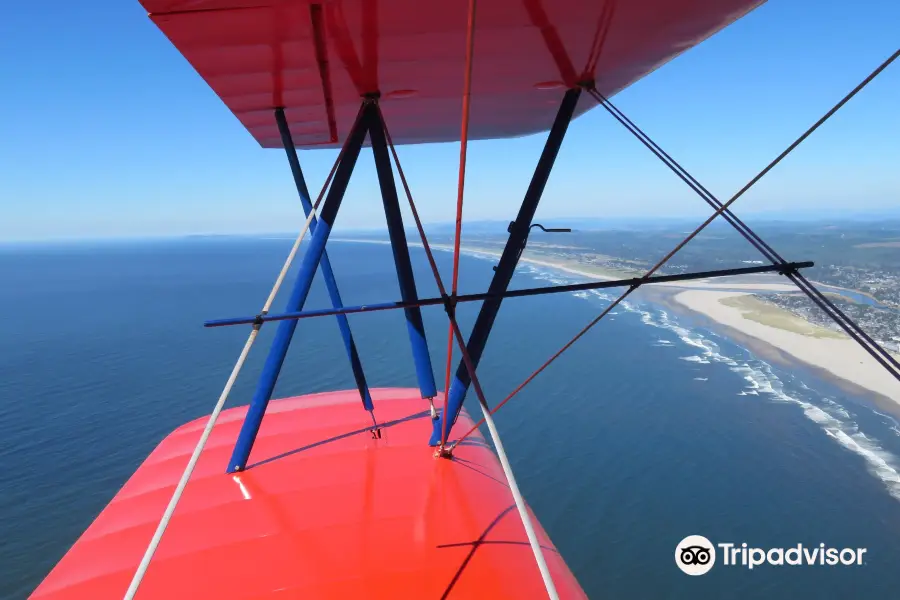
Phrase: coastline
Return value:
(536, 257)
(529, 256)
(770, 332)
(827, 351)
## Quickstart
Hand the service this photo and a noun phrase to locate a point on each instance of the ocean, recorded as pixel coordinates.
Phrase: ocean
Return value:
(649, 429)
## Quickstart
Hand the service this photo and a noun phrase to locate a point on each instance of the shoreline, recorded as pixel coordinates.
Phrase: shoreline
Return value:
(527, 257)
(832, 354)
(771, 333)
(592, 272)
(771, 353)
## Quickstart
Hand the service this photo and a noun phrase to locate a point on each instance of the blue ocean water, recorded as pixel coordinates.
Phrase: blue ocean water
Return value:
(648, 430)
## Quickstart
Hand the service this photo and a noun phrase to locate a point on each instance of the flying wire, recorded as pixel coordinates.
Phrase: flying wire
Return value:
(460, 187)
(720, 210)
(213, 417)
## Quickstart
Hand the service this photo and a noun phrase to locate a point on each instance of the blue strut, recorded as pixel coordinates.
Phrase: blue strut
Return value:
(515, 244)
(308, 268)
(421, 358)
(327, 272)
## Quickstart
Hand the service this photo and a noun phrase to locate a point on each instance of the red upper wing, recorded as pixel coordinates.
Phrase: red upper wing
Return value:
(318, 59)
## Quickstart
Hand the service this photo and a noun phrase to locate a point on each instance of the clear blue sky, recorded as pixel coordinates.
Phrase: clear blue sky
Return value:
(107, 131)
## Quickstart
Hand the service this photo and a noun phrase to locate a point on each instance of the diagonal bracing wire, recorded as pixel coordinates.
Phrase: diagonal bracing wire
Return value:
(451, 312)
(719, 210)
(823, 302)
(450, 307)
(460, 187)
(818, 298)
(213, 417)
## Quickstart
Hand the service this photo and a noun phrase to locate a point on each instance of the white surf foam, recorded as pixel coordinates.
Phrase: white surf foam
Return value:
(695, 359)
(835, 421)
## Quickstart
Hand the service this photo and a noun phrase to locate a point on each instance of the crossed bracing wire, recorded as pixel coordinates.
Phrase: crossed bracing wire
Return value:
(846, 323)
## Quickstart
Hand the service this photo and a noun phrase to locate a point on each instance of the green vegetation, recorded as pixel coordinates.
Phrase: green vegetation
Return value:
(754, 309)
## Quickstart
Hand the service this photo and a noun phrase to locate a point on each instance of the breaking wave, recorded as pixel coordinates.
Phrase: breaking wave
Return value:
(760, 380)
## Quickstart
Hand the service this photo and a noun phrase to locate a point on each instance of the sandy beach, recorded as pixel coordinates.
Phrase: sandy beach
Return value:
(560, 264)
(769, 283)
(822, 348)
(566, 266)
(831, 351)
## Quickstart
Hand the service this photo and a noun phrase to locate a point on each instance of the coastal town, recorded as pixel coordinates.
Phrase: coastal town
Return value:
(871, 297)
(856, 264)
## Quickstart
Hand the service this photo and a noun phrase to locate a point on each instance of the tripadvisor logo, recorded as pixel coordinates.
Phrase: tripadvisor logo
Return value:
(696, 555)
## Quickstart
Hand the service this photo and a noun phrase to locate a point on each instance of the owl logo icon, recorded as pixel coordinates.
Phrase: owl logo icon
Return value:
(695, 555)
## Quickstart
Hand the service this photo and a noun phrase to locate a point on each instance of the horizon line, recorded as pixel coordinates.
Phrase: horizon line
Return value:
(771, 217)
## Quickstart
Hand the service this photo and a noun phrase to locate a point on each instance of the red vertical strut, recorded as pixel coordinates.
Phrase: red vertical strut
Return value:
(463, 146)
